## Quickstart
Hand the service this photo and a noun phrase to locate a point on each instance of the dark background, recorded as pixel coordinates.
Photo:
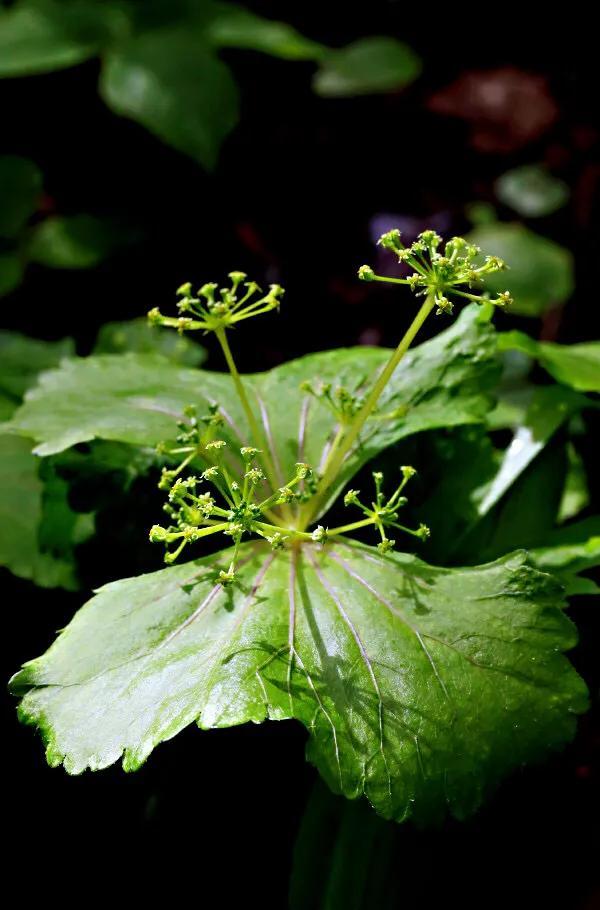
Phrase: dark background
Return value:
(291, 200)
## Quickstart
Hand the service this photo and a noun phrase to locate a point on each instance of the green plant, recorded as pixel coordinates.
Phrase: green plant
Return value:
(418, 684)
(161, 63)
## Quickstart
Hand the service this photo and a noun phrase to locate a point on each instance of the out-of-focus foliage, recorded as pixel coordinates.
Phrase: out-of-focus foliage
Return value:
(139, 336)
(541, 271)
(20, 188)
(576, 365)
(174, 84)
(366, 67)
(60, 242)
(531, 191)
(22, 359)
(76, 241)
(161, 65)
(38, 529)
(38, 36)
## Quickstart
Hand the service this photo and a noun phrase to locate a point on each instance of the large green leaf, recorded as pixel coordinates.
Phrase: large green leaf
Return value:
(20, 187)
(37, 36)
(367, 66)
(577, 365)
(171, 82)
(138, 398)
(420, 687)
(541, 272)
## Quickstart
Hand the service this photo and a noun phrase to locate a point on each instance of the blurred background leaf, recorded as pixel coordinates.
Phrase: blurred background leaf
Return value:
(531, 191)
(140, 336)
(171, 82)
(541, 272)
(365, 67)
(38, 529)
(76, 241)
(576, 365)
(38, 36)
(20, 188)
(11, 272)
(233, 26)
(23, 358)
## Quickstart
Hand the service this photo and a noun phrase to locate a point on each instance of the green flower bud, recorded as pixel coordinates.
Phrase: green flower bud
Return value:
(384, 546)
(248, 453)
(391, 240)
(351, 498)
(285, 495)
(155, 316)
(277, 541)
(226, 578)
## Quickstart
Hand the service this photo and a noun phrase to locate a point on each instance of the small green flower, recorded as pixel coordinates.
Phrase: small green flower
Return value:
(158, 534)
(442, 274)
(214, 308)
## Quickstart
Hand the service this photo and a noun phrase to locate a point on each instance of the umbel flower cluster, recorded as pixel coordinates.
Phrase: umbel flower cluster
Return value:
(236, 507)
(212, 308)
(212, 488)
(444, 274)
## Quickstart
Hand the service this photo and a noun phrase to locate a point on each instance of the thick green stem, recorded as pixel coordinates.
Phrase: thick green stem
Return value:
(335, 463)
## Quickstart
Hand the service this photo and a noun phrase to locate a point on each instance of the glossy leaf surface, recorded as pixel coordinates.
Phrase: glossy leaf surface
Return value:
(420, 687)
